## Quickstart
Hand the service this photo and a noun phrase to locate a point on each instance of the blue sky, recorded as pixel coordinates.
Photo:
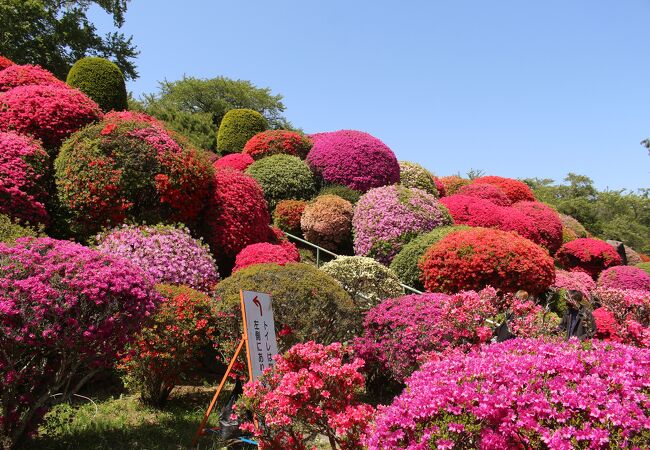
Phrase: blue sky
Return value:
(514, 88)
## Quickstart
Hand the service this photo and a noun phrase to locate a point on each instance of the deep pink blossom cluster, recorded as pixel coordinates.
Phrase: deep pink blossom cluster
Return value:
(517, 191)
(624, 277)
(170, 255)
(17, 75)
(523, 393)
(486, 191)
(264, 252)
(387, 218)
(23, 167)
(577, 281)
(589, 255)
(354, 159)
(130, 116)
(546, 222)
(236, 161)
(624, 316)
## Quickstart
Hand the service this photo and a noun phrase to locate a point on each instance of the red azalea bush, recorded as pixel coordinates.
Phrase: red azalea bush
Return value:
(50, 113)
(5, 62)
(546, 222)
(624, 277)
(486, 191)
(589, 255)
(236, 161)
(441, 187)
(313, 389)
(517, 191)
(354, 159)
(479, 257)
(287, 214)
(263, 252)
(574, 281)
(66, 311)
(16, 75)
(327, 222)
(452, 184)
(23, 168)
(523, 394)
(273, 142)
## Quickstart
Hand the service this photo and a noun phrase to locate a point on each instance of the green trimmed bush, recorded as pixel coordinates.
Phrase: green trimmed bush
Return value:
(283, 177)
(237, 127)
(413, 175)
(10, 230)
(308, 304)
(644, 266)
(405, 264)
(100, 80)
(344, 192)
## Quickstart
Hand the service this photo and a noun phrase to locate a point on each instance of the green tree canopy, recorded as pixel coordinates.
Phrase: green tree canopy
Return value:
(56, 33)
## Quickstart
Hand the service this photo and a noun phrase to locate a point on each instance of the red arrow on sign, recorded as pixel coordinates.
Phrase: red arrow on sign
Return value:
(257, 302)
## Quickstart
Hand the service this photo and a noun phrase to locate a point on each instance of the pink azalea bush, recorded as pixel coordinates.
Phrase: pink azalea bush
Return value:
(624, 316)
(523, 393)
(624, 277)
(517, 191)
(313, 389)
(486, 191)
(387, 218)
(17, 75)
(170, 255)
(265, 252)
(546, 222)
(65, 311)
(236, 161)
(577, 281)
(588, 255)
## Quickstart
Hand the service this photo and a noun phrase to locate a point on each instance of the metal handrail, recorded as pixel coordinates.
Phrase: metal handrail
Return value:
(405, 288)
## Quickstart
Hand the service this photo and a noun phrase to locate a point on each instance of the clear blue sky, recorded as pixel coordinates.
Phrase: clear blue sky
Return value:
(514, 88)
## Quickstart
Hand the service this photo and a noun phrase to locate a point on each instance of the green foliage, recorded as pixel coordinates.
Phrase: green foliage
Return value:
(413, 175)
(101, 80)
(283, 177)
(237, 127)
(10, 230)
(616, 215)
(307, 303)
(644, 266)
(344, 192)
(54, 34)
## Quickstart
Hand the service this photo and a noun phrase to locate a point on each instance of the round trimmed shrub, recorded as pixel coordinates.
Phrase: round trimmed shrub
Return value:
(118, 170)
(170, 255)
(546, 222)
(480, 257)
(523, 393)
(354, 159)
(413, 175)
(632, 257)
(517, 191)
(274, 142)
(624, 277)
(283, 177)
(574, 281)
(571, 229)
(644, 266)
(67, 311)
(237, 127)
(5, 62)
(405, 263)
(341, 191)
(16, 75)
(10, 230)
(588, 255)
(367, 281)
(266, 253)
(486, 191)
(101, 80)
(49, 113)
(387, 218)
(235, 161)
(327, 222)
(452, 184)
(287, 214)
(308, 304)
(23, 170)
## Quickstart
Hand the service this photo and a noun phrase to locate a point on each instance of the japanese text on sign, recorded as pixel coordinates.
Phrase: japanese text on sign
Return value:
(260, 329)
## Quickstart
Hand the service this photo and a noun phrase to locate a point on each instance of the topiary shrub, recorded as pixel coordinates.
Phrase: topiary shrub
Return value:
(327, 222)
(15, 75)
(522, 393)
(283, 177)
(5, 62)
(170, 255)
(589, 255)
(354, 159)
(413, 175)
(624, 277)
(387, 218)
(574, 281)
(367, 281)
(341, 191)
(101, 80)
(487, 192)
(308, 304)
(118, 170)
(546, 222)
(266, 253)
(49, 113)
(237, 127)
(405, 263)
(480, 257)
(571, 229)
(10, 230)
(517, 191)
(23, 171)
(67, 311)
(274, 142)
(645, 266)
(287, 214)
(235, 161)
(452, 184)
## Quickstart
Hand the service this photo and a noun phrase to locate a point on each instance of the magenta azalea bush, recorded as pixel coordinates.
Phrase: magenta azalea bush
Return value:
(387, 218)
(170, 255)
(623, 316)
(354, 159)
(624, 277)
(576, 281)
(65, 311)
(523, 394)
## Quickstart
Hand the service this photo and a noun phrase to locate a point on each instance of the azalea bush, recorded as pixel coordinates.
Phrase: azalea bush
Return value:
(354, 159)
(623, 316)
(624, 277)
(452, 184)
(588, 255)
(515, 190)
(17, 75)
(313, 389)
(24, 168)
(523, 393)
(236, 161)
(387, 218)
(413, 175)
(486, 191)
(327, 222)
(572, 229)
(574, 281)
(67, 311)
(170, 255)
(546, 222)
(480, 257)
(265, 252)
(287, 214)
(274, 142)
(5, 62)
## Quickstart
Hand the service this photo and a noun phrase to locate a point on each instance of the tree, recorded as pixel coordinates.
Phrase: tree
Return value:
(56, 33)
